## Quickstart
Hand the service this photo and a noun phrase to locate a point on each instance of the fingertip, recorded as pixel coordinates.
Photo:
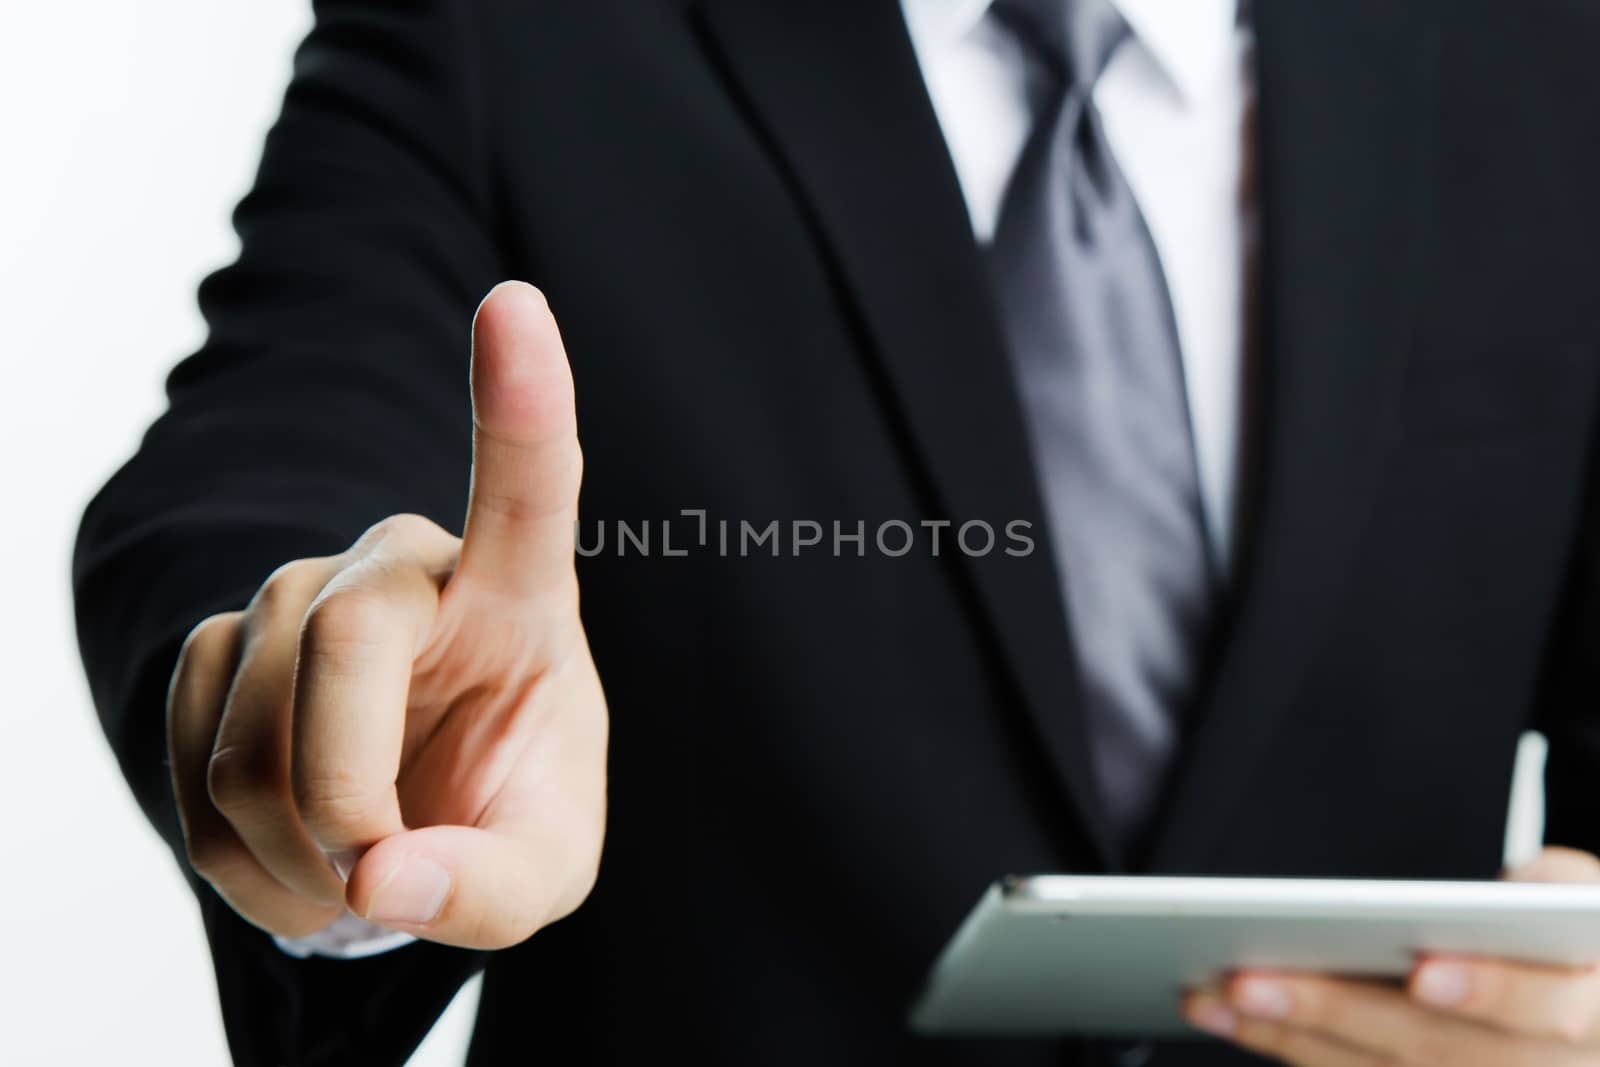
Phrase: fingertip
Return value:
(512, 289)
(1210, 1014)
(509, 305)
(521, 382)
(1440, 982)
(1236, 984)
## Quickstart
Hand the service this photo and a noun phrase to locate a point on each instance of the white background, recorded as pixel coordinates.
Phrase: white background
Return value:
(128, 128)
(127, 131)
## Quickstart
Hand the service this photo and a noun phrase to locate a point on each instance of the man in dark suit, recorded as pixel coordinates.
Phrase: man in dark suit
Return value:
(1267, 530)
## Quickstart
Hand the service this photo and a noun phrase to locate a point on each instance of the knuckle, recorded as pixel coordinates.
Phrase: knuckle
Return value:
(588, 878)
(514, 924)
(585, 875)
(575, 463)
(514, 507)
(405, 527)
(402, 523)
(1575, 1022)
(204, 659)
(580, 889)
(210, 636)
(501, 920)
(289, 588)
(240, 780)
(568, 900)
(332, 803)
(548, 492)
(1317, 1007)
(345, 618)
(570, 470)
(483, 929)
(1488, 991)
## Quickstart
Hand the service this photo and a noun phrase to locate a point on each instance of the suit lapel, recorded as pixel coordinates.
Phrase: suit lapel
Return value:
(835, 89)
(1346, 96)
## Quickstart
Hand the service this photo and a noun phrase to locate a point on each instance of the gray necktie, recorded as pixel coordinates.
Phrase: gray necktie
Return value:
(1091, 332)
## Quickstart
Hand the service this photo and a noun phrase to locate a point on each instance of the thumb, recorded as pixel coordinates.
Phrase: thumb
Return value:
(526, 465)
(461, 885)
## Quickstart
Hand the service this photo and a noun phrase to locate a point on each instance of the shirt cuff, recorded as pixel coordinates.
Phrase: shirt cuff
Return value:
(349, 937)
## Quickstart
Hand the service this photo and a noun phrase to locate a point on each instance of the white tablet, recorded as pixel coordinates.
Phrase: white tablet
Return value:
(1111, 956)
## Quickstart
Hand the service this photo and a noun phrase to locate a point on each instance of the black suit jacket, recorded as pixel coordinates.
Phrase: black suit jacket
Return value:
(747, 222)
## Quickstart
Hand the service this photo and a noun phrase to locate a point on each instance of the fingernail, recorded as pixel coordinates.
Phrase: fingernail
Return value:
(1262, 997)
(344, 861)
(412, 893)
(1213, 1017)
(1443, 985)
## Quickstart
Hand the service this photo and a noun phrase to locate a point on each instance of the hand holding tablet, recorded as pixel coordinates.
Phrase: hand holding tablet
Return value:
(1309, 972)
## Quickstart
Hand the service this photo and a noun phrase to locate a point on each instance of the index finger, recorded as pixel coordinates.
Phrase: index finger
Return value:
(526, 467)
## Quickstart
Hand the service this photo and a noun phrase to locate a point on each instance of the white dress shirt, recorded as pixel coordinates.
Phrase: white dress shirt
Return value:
(1176, 101)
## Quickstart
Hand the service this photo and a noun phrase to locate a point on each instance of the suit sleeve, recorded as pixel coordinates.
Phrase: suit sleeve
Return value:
(1569, 701)
(331, 391)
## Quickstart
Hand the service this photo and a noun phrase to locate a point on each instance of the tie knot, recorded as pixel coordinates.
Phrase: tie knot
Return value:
(1076, 37)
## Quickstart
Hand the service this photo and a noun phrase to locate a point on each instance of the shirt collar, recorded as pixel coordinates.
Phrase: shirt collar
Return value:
(1188, 39)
